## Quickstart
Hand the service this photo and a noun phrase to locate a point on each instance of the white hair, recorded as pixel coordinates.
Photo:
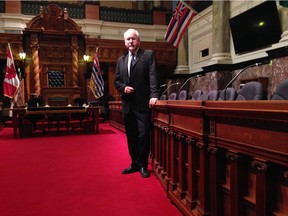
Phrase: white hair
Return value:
(131, 30)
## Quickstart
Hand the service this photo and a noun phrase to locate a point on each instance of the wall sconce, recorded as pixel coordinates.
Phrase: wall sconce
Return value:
(21, 70)
(86, 58)
(22, 55)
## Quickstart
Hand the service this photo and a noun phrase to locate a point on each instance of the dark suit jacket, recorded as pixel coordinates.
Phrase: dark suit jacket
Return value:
(144, 79)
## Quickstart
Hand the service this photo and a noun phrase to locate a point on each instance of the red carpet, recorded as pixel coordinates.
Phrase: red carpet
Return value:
(75, 175)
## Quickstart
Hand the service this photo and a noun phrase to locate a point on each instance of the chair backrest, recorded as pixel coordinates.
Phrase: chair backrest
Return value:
(281, 92)
(163, 97)
(172, 96)
(35, 102)
(213, 95)
(204, 96)
(196, 94)
(182, 95)
(79, 102)
(251, 91)
(231, 94)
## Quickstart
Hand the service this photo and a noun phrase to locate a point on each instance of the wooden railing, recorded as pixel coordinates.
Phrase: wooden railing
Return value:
(222, 158)
(115, 115)
(77, 11)
(126, 16)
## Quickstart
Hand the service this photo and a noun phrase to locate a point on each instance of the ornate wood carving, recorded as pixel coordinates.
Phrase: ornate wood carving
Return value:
(240, 169)
(259, 166)
(212, 150)
(231, 156)
(111, 50)
(54, 20)
(53, 42)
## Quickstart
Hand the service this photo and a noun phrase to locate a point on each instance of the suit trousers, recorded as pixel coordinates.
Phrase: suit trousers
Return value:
(138, 126)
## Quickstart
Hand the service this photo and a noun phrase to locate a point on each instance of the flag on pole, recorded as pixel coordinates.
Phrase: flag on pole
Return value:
(11, 80)
(96, 80)
(179, 23)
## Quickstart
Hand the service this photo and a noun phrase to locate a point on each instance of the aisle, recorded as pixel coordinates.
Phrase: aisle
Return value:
(75, 175)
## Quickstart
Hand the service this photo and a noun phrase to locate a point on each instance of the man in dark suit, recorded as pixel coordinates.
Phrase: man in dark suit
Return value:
(138, 82)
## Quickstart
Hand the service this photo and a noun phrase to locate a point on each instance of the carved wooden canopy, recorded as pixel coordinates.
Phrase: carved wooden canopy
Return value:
(54, 19)
(54, 44)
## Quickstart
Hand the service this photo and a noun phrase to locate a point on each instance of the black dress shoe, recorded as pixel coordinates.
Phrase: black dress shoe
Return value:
(144, 172)
(130, 169)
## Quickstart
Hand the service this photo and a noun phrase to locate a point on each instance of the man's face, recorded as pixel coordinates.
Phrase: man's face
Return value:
(132, 42)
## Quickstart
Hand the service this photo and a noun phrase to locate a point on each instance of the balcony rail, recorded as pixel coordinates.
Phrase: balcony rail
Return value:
(126, 15)
(77, 11)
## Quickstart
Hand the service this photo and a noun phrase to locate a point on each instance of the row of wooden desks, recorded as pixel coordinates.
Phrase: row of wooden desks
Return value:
(19, 114)
(222, 157)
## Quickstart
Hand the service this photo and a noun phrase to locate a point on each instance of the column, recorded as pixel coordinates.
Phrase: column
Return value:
(221, 32)
(92, 10)
(13, 7)
(233, 185)
(35, 64)
(204, 179)
(283, 13)
(74, 43)
(260, 167)
(159, 16)
(182, 56)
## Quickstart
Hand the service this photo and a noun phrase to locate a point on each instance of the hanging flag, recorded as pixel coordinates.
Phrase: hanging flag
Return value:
(96, 80)
(179, 23)
(11, 80)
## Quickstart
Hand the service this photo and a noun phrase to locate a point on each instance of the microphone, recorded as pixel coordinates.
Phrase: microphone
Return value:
(181, 87)
(173, 84)
(267, 61)
(238, 74)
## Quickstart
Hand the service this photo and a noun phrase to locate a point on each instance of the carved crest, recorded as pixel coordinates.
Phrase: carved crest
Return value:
(53, 19)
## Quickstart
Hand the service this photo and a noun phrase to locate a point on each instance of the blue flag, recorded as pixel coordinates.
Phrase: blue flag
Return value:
(96, 81)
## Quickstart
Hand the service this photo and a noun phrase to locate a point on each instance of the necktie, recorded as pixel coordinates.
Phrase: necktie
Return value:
(132, 63)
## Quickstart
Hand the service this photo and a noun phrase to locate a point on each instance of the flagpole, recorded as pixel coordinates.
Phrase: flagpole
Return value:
(195, 11)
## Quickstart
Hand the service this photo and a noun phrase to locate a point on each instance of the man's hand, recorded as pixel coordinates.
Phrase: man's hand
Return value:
(128, 90)
(152, 102)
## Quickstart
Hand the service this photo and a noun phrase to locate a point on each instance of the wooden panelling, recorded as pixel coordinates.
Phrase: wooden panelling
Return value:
(53, 41)
(115, 115)
(223, 158)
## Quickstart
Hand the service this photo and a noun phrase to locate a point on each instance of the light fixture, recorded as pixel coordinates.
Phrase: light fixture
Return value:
(22, 55)
(86, 57)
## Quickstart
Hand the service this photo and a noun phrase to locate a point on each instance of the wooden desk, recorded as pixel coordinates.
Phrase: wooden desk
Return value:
(248, 141)
(19, 113)
(222, 157)
(250, 126)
